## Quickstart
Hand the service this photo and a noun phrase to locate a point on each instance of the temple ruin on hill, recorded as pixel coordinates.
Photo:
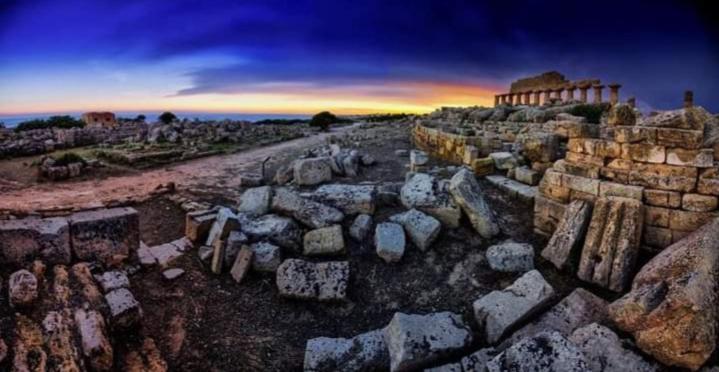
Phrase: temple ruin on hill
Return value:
(543, 88)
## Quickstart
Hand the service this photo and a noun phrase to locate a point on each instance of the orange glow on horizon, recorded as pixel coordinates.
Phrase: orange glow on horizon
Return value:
(406, 97)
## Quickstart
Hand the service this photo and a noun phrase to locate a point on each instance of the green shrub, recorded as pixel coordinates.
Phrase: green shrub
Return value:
(68, 158)
(324, 119)
(592, 112)
(167, 117)
(62, 122)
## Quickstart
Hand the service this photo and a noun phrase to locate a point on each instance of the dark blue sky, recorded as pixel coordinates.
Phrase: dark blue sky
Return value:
(347, 55)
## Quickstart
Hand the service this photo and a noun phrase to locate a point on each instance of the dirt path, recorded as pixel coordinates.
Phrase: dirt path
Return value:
(216, 171)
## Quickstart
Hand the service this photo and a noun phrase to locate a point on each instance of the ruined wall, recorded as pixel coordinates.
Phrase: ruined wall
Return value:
(662, 161)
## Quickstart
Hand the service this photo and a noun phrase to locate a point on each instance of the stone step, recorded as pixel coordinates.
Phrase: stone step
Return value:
(515, 190)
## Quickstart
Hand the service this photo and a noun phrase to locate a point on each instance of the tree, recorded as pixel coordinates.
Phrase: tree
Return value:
(323, 120)
(167, 117)
(140, 118)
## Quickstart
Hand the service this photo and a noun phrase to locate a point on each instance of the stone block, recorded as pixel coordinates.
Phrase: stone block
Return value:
(503, 160)
(243, 262)
(656, 216)
(658, 237)
(545, 352)
(95, 344)
(256, 201)
(483, 166)
(582, 170)
(606, 352)
(325, 281)
(499, 311)
(699, 203)
(511, 257)
(607, 188)
(664, 177)
(107, 235)
(551, 186)
(565, 245)
(308, 212)
(124, 309)
(279, 230)
(266, 257)
(350, 199)
(644, 153)
(313, 171)
(621, 114)
(364, 352)
(687, 139)
(585, 185)
(467, 193)
(633, 134)
(422, 229)
(111, 280)
(324, 241)
(22, 289)
(689, 221)
(527, 176)
(389, 241)
(361, 226)
(661, 198)
(686, 118)
(471, 153)
(547, 213)
(708, 183)
(22, 241)
(703, 158)
(225, 222)
(578, 158)
(198, 225)
(612, 243)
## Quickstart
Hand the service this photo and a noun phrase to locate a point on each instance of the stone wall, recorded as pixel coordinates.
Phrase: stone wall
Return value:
(666, 161)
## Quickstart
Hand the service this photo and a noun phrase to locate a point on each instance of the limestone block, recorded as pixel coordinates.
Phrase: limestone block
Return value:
(607, 188)
(124, 309)
(664, 177)
(661, 198)
(634, 134)
(686, 118)
(606, 352)
(709, 182)
(687, 139)
(198, 224)
(470, 154)
(309, 212)
(325, 281)
(579, 158)
(703, 158)
(312, 171)
(364, 352)
(580, 169)
(468, 195)
(503, 160)
(266, 257)
(324, 241)
(483, 166)
(612, 243)
(256, 201)
(547, 213)
(551, 186)
(544, 352)
(26, 239)
(350, 199)
(671, 309)
(242, 264)
(95, 344)
(657, 216)
(389, 241)
(361, 226)
(225, 223)
(511, 257)
(689, 221)
(421, 228)
(699, 203)
(527, 176)
(279, 230)
(658, 237)
(585, 185)
(644, 153)
(539, 146)
(107, 235)
(621, 114)
(566, 242)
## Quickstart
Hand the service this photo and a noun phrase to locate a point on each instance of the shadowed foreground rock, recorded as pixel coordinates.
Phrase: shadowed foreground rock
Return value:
(466, 192)
(672, 307)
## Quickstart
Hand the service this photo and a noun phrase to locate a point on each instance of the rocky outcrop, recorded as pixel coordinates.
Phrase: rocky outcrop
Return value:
(672, 307)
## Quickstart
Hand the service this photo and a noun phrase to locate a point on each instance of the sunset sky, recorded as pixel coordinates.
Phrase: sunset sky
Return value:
(267, 56)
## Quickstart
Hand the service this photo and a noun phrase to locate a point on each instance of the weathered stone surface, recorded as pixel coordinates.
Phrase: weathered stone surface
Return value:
(107, 235)
(144, 357)
(498, 311)
(661, 198)
(312, 171)
(225, 223)
(87, 288)
(606, 352)
(423, 192)
(527, 176)
(361, 226)
(539, 147)
(671, 309)
(389, 241)
(235, 241)
(643, 152)
(612, 243)
(324, 241)
(23, 240)
(256, 201)
(364, 352)
(111, 280)
(578, 309)
(22, 288)
(692, 158)
(124, 308)
(699, 203)
(350, 199)
(663, 177)
(266, 258)
(57, 329)
(325, 281)
(503, 160)
(565, 245)
(172, 274)
(544, 352)
(165, 254)
(278, 230)
(467, 194)
(708, 183)
(418, 158)
(622, 114)
(421, 228)
(308, 212)
(477, 361)
(96, 346)
(693, 118)
(28, 346)
(417, 340)
(511, 257)
(242, 264)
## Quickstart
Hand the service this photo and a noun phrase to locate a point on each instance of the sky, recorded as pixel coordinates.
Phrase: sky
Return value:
(297, 56)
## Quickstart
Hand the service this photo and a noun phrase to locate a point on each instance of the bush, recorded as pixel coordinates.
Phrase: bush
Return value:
(62, 122)
(167, 117)
(68, 158)
(592, 112)
(325, 118)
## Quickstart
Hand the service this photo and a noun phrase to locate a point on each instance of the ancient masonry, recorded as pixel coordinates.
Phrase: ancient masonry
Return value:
(100, 119)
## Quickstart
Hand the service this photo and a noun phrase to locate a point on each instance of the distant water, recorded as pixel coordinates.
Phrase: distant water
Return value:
(13, 121)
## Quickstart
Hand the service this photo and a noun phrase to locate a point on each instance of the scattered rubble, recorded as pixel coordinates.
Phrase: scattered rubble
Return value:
(511, 257)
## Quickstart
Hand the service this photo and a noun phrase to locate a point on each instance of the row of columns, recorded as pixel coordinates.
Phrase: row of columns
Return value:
(532, 97)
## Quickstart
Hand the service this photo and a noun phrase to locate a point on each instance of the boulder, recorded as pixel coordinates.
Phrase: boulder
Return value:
(124, 309)
(544, 352)
(350, 199)
(266, 258)
(22, 288)
(24, 240)
(389, 241)
(364, 352)
(256, 201)
(511, 257)
(324, 241)
(361, 226)
(312, 171)
(565, 245)
(499, 311)
(612, 243)
(467, 194)
(671, 309)
(107, 235)
(278, 230)
(308, 212)
(325, 281)
(415, 341)
(578, 309)
(422, 229)
(606, 352)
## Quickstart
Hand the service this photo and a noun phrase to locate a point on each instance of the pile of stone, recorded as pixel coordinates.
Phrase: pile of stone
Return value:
(49, 170)
(225, 131)
(283, 231)
(322, 166)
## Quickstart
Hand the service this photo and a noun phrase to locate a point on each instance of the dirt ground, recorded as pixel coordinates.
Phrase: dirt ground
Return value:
(230, 327)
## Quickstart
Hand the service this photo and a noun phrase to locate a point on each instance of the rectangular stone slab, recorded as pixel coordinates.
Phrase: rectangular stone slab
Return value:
(105, 235)
(28, 239)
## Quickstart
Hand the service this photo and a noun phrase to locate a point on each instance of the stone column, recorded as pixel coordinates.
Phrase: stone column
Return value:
(537, 94)
(547, 96)
(496, 100)
(510, 99)
(583, 92)
(632, 102)
(570, 92)
(688, 99)
(518, 99)
(598, 93)
(614, 93)
(558, 93)
(526, 95)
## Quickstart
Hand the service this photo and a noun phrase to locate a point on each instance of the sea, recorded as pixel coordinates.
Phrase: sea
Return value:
(12, 121)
